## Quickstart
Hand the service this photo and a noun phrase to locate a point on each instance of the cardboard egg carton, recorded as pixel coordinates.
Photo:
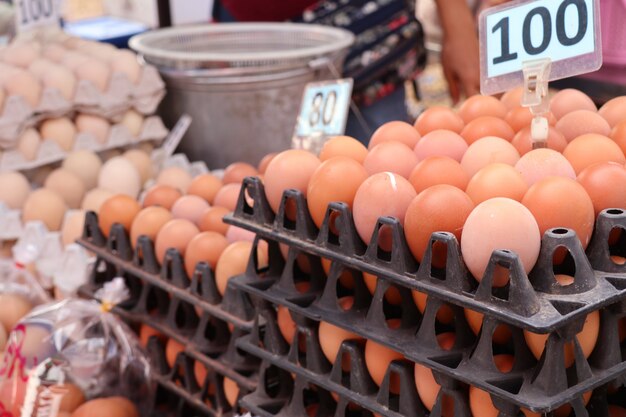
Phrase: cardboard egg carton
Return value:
(120, 96)
(49, 152)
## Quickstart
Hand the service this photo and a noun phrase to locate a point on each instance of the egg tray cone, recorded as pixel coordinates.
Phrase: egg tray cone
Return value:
(166, 299)
(538, 385)
(535, 302)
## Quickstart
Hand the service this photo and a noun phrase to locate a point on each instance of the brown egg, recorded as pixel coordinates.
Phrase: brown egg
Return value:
(479, 400)
(606, 185)
(441, 143)
(190, 207)
(95, 198)
(86, 165)
(438, 117)
(496, 180)
(397, 132)
(45, 205)
(286, 325)
(521, 117)
(289, 169)
(440, 208)
(141, 161)
(211, 220)
(587, 339)
(26, 85)
(237, 171)
(228, 196)
(265, 161)
(60, 130)
(390, 156)
(377, 359)
(501, 335)
(427, 388)
(172, 349)
(72, 398)
(234, 260)
(569, 100)
(512, 98)
(615, 411)
(175, 177)
(231, 391)
(204, 247)
(614, 111)
(68, 185)
(61, 79)
(343, 146)
(618, 134)
(580, 122)
(133, 121)
(200, 372)
(161, 195)
(107, 407)
(177, 233)
(383, 194)
(523, 142)
(97, 126)
(487, 126)
(486, 151)
(438, 170)
(205, 186)
(148, 222)
(14, 308)
(331, 337)
(336, 179)
(125, 62)
(14, 189)
(146, 332)
(94, 71)
(561, 202)
(541, 163)
(499, 223)
(28, 144)
(590, 149)
(479, 106)
(119, 175)
(120, 209)
(72, 227)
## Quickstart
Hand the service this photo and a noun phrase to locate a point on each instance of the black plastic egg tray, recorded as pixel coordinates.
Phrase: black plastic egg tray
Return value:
(538, 385)
(278, 394)
(535, 302)
(188, 310)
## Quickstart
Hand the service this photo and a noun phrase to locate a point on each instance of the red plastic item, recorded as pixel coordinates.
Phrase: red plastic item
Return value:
(266, 10)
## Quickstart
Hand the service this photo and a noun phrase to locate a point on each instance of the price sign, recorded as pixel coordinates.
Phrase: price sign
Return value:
(324, 109)
(34, 14)
(565, 31)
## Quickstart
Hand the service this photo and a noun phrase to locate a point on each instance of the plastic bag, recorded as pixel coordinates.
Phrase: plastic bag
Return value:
(73, 346)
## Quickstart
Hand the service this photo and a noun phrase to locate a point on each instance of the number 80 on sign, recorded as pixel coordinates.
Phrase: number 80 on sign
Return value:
(324, 108)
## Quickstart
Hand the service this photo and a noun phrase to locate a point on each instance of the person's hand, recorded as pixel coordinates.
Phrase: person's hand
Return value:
(460, 60)
(459, 54)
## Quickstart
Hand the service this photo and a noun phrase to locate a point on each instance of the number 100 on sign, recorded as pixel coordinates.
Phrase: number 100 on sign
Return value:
(561, 30)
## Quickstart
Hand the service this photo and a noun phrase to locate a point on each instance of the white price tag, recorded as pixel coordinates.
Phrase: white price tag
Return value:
(324, 109)
(35, 14)
(565, 31)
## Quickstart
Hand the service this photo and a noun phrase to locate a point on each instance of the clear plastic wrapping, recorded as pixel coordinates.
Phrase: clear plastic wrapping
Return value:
(78, 344)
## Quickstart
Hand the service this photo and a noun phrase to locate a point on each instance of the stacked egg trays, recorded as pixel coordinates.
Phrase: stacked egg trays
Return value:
(534, 302)
(188, 310)
(19, 117)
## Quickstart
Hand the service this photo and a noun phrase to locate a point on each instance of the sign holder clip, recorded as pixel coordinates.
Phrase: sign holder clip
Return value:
(535, 97)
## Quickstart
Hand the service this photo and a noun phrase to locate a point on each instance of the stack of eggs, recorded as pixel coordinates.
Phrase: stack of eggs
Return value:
(472, 173)
(32, 72)
(185, 213)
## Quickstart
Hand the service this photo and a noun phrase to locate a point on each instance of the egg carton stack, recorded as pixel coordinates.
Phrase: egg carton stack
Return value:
(62, 93)
(516, 377)
(189, 326)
